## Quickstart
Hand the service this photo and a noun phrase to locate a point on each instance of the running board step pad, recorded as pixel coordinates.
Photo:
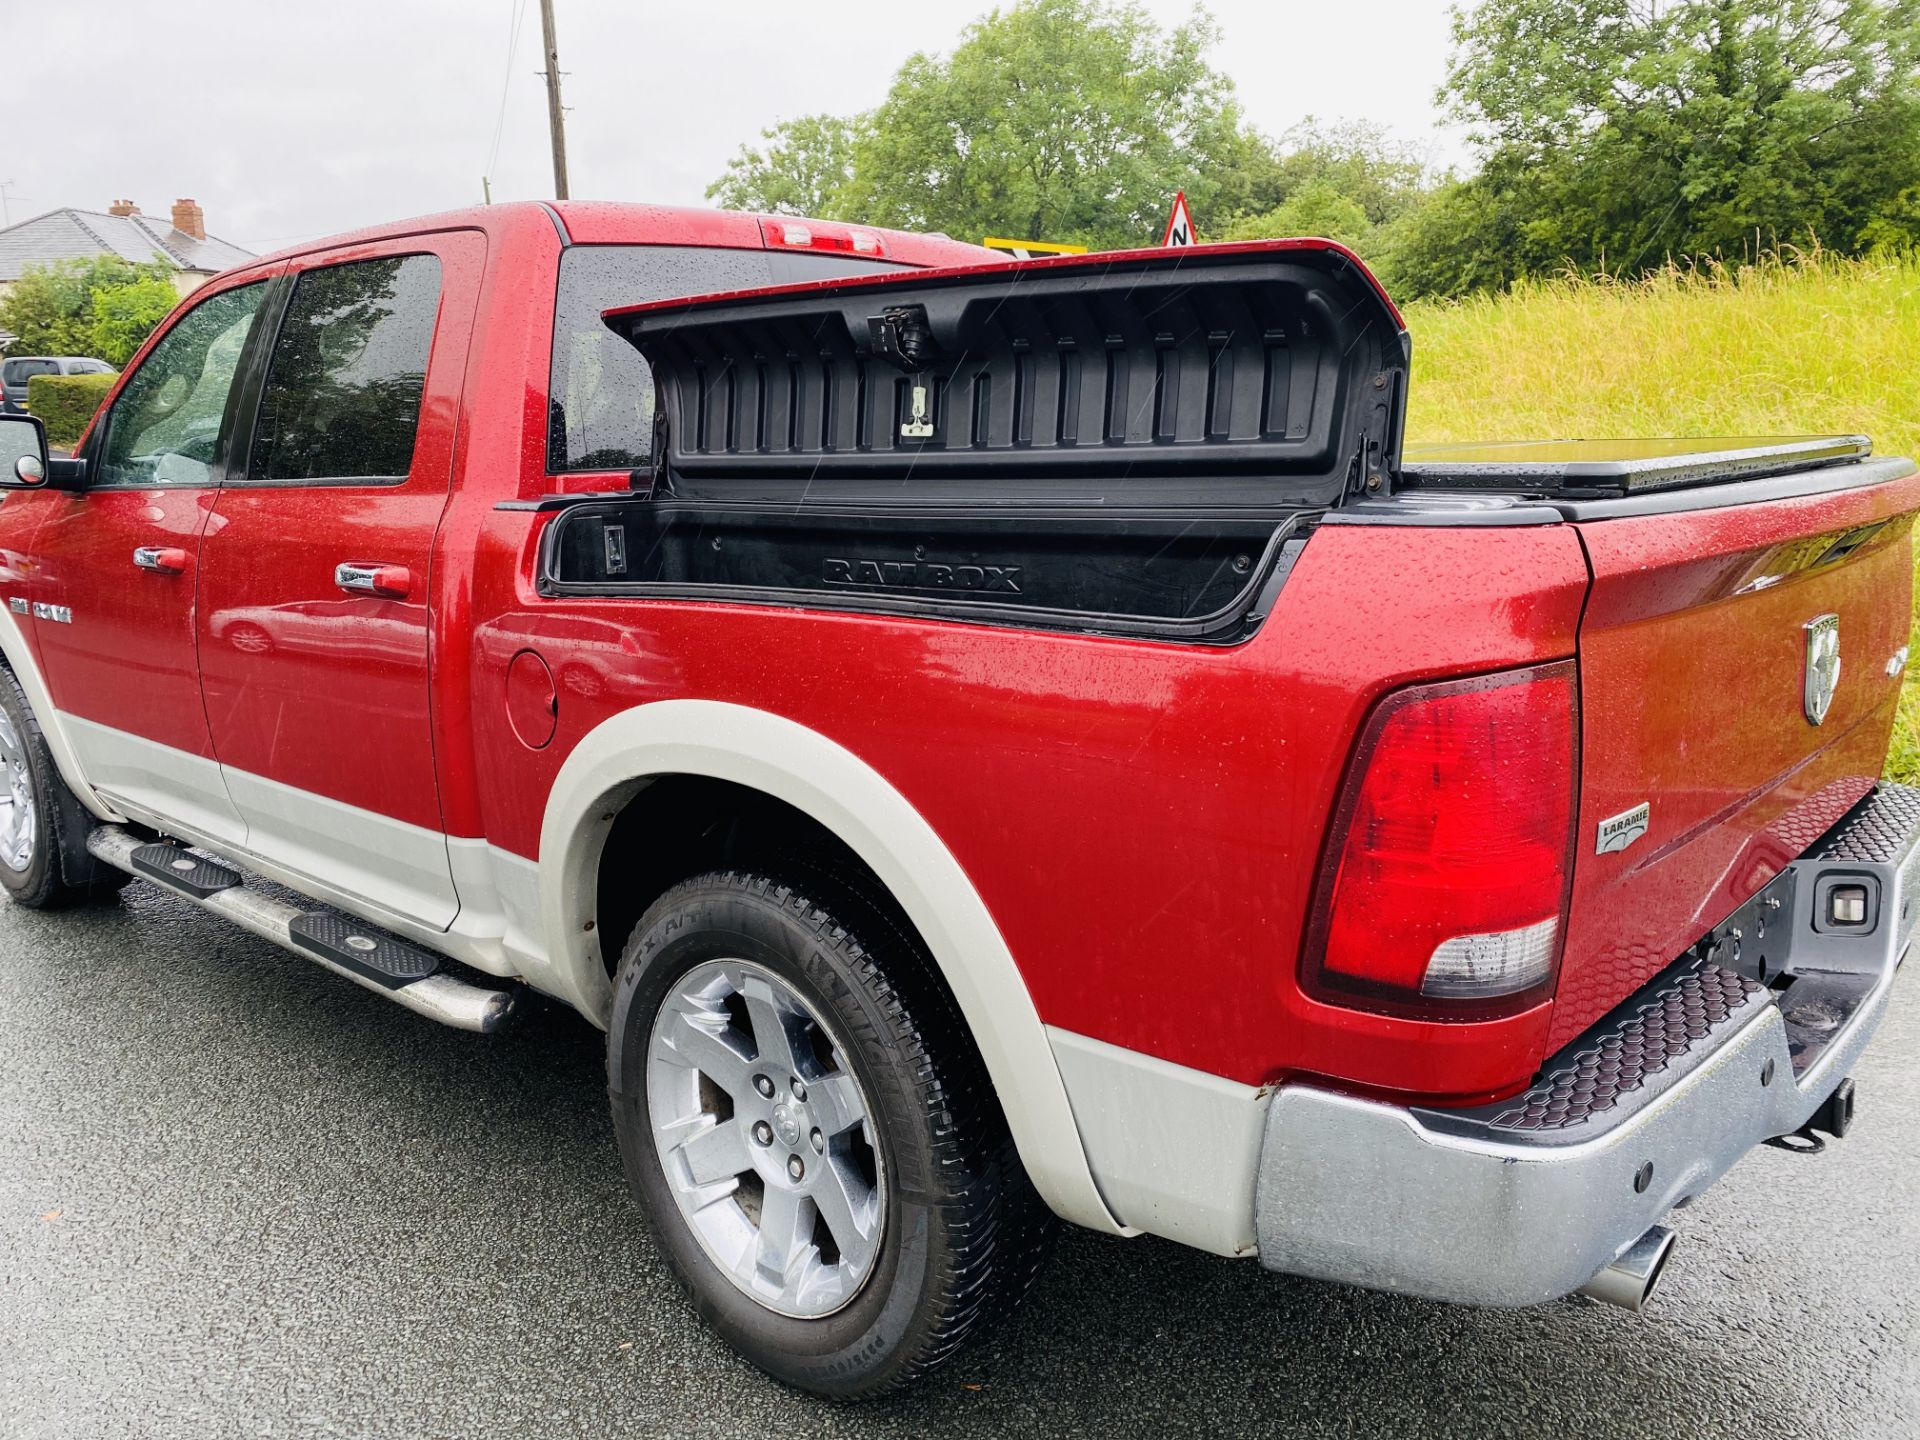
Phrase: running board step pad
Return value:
(365, 951)
(184, 870)
(410, 976)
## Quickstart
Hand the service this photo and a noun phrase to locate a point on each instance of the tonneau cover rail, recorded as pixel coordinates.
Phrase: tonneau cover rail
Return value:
(1602, 469)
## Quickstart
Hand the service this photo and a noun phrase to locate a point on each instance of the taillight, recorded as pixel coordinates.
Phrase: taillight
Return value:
(819, 235)
(1443, 893)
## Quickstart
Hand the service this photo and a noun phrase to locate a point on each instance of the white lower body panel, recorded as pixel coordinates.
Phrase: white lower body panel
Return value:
(156, 778)
(1174, 1151)
(399, 867)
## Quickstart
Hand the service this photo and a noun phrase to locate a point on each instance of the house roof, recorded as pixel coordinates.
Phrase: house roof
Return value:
(81, 234)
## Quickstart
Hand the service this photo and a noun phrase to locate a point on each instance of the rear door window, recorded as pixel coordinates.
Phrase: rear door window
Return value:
(341, 402)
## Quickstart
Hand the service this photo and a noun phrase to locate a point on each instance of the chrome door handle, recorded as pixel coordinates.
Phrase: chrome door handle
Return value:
(161, 559)
(393, 582)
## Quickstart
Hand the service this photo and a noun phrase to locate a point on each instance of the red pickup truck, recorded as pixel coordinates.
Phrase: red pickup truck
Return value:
(990, 743)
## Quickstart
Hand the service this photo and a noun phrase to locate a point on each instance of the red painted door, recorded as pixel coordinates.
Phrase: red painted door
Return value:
(114, 571)
(314, 573)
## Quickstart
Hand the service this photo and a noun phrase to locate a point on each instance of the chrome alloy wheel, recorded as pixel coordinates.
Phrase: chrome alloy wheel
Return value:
(19, 825)
(766, 1138)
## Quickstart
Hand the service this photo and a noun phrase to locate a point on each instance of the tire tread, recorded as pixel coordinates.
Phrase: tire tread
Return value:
(996, 1228)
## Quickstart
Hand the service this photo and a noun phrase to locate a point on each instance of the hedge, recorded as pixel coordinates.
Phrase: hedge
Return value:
(66, 402)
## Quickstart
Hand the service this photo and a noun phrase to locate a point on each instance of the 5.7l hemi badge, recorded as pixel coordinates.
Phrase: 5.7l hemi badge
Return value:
(1617, 832)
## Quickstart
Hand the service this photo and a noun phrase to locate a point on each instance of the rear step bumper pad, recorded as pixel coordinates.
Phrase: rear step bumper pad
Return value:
(1526, 1200)
(432, 991)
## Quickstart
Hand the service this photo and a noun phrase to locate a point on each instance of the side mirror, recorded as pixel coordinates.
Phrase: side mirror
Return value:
(23, 452)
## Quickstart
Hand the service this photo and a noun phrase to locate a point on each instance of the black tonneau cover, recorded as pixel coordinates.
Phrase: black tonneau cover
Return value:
(1601, 469)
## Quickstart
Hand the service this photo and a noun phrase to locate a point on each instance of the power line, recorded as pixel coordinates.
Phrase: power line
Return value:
(506, 85)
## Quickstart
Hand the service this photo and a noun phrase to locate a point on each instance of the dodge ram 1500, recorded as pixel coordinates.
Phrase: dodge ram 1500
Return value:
(989, 743)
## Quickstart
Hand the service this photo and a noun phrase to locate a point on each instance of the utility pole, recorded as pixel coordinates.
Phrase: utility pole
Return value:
(556, 122)
(6, 210)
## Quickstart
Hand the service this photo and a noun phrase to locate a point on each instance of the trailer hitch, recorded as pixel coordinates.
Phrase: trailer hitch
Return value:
(1834, 1118)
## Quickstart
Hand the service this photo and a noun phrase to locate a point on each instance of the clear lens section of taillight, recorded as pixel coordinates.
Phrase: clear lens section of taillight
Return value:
(1478, 967)
(1445, 881)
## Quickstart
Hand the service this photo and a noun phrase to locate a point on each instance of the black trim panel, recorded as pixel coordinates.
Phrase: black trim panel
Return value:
(1200, 577)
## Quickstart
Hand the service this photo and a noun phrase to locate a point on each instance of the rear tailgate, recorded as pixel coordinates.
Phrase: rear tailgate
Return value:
(1703, 653)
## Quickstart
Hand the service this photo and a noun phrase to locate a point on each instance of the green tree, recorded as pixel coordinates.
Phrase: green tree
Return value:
(1615, 133)
(1062, 120)
(49, 310)
(124, 315)
(1319, 208)
(55, 309)
(1357, 159)
(803, 170)
(1349, 182)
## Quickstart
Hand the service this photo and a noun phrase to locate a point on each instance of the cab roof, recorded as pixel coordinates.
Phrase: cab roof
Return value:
(608, 222)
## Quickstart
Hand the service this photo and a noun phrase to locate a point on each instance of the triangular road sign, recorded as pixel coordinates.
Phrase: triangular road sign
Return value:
(1180, 224)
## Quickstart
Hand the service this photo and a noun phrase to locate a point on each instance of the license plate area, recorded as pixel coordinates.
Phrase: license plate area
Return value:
(1757, 939)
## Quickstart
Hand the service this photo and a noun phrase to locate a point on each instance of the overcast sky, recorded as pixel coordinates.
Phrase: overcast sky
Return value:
(292, 120)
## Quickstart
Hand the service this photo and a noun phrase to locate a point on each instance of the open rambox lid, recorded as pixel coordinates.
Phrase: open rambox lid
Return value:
(1242, 374)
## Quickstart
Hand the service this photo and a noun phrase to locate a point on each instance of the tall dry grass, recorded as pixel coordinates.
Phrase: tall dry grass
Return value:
(1795, 342)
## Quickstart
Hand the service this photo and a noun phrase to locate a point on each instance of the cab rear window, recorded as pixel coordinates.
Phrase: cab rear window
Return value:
(600, 399)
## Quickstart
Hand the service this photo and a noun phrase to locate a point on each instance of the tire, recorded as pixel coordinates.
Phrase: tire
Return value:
(44, 862)
(1028, 1229)
(924, 1228)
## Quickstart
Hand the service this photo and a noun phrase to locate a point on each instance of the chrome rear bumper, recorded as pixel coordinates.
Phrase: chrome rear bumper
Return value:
(1525, 1201)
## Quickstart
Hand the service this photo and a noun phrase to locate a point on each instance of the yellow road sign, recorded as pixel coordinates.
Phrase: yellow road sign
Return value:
(1027, 249)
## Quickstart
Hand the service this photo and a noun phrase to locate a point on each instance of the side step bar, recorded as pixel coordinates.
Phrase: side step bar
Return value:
(369, 957)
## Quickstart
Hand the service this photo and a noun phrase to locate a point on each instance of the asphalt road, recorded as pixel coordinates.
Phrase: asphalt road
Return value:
(239, 1196)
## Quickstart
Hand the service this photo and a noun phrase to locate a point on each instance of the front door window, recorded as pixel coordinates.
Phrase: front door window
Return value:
(166, 422)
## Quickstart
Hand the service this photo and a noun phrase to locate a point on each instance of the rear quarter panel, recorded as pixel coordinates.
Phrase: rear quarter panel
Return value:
(1143, 820)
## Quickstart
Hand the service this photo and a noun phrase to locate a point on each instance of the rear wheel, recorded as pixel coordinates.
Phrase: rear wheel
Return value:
(44, 863)
(811, 1132)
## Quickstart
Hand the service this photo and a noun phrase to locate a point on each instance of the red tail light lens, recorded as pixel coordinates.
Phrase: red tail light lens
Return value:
(1444, 889)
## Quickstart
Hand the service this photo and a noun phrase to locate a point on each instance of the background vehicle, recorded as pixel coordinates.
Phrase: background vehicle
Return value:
(16, 370)
(989, 743)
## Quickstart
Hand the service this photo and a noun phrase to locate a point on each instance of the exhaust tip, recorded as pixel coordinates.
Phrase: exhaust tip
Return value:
(1629, 1282)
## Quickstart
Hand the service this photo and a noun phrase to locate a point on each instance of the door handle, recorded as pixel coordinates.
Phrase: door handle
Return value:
(392, 582)
(161, 559)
